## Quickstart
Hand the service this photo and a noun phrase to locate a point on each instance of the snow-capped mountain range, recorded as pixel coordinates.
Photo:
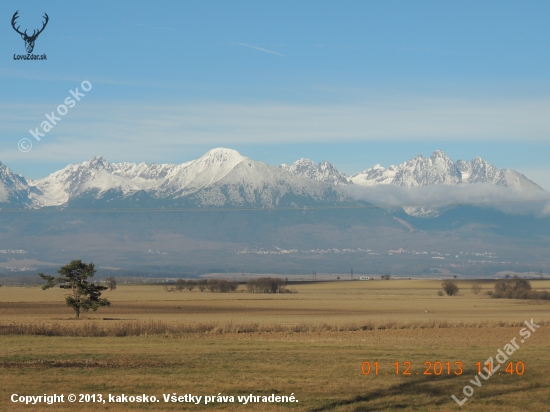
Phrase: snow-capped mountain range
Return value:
(440, 169)
(220, 178)
(418, 171)
(225, 178)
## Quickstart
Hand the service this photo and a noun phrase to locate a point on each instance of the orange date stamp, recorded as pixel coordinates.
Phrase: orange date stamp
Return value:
(436, 368)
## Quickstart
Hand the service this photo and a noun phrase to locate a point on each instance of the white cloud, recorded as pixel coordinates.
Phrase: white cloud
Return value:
(396, 119)
(145, 130)
(437, 196)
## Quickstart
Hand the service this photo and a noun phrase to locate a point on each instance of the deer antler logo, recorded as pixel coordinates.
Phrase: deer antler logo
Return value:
(29, 40)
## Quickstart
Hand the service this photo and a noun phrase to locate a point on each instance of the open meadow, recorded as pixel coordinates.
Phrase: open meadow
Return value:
(311, 344)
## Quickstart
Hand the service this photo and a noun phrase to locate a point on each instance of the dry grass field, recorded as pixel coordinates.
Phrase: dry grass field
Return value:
(310, 343)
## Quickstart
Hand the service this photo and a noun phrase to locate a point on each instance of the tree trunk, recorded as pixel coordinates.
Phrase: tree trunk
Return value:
(77, 313)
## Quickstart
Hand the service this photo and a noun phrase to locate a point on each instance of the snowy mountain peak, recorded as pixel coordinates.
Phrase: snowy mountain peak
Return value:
(439, 154)
(223, 155)
(440, 169)
(481, 171)
(199, 173)
(14, 189)
(322, 172)
(97, 159)
(96, 162)
(418, 171)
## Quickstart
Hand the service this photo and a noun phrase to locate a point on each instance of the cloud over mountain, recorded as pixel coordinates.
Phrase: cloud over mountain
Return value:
(430, 201)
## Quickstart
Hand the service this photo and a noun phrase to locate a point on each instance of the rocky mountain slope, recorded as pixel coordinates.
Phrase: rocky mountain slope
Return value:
(440, 169)
(224, 178)
(220, 178)
(322, 172)
(14, 189)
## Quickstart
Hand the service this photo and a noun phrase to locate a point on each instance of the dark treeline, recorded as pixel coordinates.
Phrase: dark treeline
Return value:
(266, 285)
(261, 285)
(213, 285)
(21, 280)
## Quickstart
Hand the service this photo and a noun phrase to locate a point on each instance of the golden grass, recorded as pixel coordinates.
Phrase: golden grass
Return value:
(323, 370)
(152, 327)
(311, 343)
(403, 301)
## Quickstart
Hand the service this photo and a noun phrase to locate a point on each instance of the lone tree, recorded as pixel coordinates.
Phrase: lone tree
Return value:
(84, 295)
(450, 287)
(111, 282)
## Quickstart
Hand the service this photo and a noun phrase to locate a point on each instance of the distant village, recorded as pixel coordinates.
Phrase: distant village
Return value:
(435, 254)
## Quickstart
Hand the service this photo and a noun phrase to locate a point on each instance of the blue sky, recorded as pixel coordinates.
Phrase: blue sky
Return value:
(355, 82)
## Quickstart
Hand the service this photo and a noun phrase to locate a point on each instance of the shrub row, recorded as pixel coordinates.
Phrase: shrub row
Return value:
(261, 285)
(526, 294)
(266, 285)
(214, 285)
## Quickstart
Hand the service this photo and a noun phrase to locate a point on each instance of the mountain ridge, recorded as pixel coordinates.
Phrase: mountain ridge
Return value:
(225, 178)
(220, 178)
(440, 169)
